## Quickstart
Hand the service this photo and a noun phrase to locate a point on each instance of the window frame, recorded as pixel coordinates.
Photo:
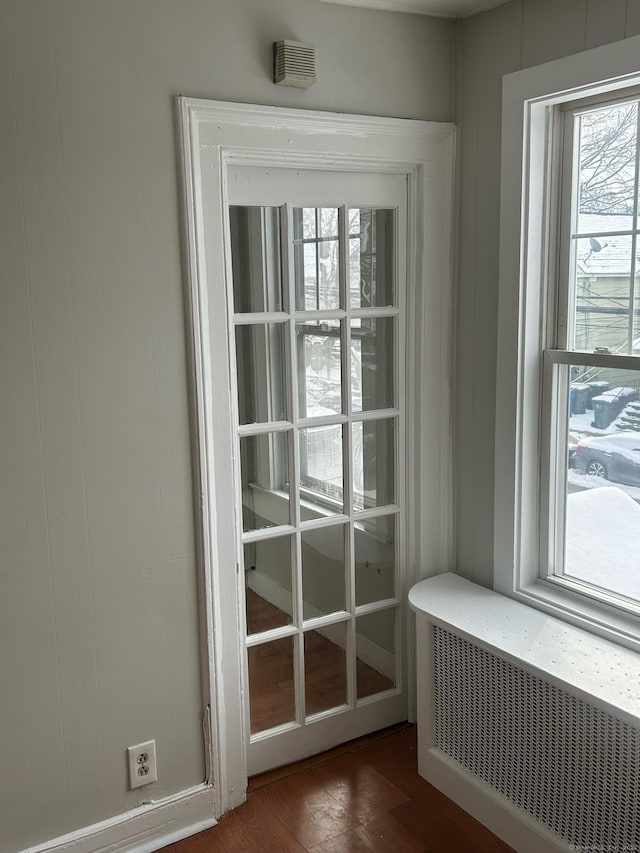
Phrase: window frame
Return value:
(560, 347)
(529, 250)
(214, 137)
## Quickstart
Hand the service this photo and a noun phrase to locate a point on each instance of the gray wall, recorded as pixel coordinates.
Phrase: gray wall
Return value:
(517, 35)
(98, 610)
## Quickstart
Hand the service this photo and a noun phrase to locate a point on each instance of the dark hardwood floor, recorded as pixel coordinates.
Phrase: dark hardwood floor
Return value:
(364, 796)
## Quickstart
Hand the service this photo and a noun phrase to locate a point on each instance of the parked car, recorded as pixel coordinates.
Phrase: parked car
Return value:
(572, 442)
(614, 457)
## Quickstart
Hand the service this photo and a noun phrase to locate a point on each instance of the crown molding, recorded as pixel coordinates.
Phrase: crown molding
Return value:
(435, 8)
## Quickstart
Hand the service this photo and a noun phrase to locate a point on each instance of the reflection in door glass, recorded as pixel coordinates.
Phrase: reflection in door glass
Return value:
(319, 368)
(374, 540)
(323, 571)
(602, 524)
(316, 258)
(268, 572)
(260, 360)
(321, 478)
(370, 257)
(372, 363)
(376, 672)
(325, 668)
(264, 464)
(272, 699)
(373, 465)
(256, 259)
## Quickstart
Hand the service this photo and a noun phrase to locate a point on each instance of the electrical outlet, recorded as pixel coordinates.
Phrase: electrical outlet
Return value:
(142, 764)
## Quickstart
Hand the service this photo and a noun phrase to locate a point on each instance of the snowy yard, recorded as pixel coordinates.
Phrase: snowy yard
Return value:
(603, 539)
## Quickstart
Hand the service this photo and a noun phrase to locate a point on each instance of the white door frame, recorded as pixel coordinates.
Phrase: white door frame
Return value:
(214, 135)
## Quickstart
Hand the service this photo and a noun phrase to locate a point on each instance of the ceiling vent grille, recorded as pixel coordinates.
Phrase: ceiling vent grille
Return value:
(568, 764)
(294, 63)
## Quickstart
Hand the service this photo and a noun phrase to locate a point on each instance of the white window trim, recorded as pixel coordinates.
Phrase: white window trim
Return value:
(526, 220)
(215, 136)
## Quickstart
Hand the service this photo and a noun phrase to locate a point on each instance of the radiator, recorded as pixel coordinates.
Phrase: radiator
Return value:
(530, 724)
(569, 765)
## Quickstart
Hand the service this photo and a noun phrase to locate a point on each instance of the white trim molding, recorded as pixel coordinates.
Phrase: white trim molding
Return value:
(526, 222)
(216, 136)
(142, 830)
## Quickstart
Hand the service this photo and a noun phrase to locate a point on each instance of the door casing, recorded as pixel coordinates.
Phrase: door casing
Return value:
(215, 135)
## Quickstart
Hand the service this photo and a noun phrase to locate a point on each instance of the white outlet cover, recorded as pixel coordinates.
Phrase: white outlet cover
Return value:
(141, 759)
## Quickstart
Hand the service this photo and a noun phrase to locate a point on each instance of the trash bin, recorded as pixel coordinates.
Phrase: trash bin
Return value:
(602, 414)
(595, 390)
(580, 398)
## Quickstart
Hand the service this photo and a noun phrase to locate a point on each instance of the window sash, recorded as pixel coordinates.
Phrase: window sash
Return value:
(558, 337)
(562, 305)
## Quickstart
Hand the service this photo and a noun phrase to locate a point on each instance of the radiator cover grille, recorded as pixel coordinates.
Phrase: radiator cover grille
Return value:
(568, 764)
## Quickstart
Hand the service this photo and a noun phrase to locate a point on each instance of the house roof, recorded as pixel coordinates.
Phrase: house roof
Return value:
(613, 258)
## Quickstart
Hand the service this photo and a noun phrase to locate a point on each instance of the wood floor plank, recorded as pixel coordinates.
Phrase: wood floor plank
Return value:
(387, 833)
(399, 764)
(360, 788)
(369, 799)
(248, 829)
(447, 827)
(306, 807)
(354, 841)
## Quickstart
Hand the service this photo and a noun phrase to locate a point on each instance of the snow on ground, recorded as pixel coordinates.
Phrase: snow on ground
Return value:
(582, 424)
(585, 481)
(603, 539)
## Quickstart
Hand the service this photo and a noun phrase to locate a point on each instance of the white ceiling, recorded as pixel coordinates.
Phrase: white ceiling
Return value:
(440, 8)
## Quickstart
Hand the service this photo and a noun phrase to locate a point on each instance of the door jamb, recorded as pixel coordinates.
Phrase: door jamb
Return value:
(214, 134)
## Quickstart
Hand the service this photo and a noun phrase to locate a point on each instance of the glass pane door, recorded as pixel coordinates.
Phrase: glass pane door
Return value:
(317, 322)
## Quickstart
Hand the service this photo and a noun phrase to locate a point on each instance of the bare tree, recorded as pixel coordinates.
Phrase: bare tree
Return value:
(607, 159)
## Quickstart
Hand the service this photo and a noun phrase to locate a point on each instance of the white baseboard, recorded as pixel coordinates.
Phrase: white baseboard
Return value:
(141, 830)
(514, 826)
(270, 590)
(370, 653)
(376, 657)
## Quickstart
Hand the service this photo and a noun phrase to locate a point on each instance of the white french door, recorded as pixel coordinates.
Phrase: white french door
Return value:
(317, 356)
(318, 256)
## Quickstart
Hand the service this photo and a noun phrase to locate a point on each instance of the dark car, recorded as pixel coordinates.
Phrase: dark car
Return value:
(614, 457)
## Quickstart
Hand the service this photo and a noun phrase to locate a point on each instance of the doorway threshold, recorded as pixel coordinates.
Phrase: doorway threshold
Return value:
(261, 780)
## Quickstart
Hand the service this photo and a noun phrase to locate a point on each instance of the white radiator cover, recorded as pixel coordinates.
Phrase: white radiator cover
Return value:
(529, 724)
(569, 765)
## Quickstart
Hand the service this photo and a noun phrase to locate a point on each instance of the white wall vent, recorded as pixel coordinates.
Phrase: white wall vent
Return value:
(569, 765)
(294, 63)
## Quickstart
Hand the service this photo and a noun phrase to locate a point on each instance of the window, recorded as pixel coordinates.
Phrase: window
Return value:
(567, 529)
(592, 357)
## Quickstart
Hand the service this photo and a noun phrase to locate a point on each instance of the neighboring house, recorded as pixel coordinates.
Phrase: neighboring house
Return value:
(603, 270)
(603, 274)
